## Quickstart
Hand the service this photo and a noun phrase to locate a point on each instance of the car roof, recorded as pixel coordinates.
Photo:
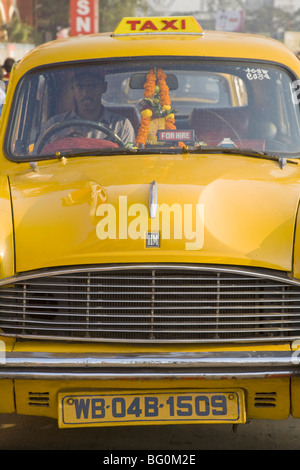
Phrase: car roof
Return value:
(206, 44)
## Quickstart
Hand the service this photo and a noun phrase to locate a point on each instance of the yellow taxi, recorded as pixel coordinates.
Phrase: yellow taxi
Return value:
(150, 231)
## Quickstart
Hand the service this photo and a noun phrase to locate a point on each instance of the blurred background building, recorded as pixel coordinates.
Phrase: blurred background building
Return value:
(13, 34)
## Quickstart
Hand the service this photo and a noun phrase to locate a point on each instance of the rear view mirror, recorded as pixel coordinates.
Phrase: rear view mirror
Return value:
(138, 79)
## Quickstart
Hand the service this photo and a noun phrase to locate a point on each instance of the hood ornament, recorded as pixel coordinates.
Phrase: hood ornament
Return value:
(153, 200)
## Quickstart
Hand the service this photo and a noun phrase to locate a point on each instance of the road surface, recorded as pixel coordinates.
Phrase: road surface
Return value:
(36, 433)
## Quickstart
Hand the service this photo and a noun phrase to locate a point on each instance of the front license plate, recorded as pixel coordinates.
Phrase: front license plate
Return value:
(137, 408)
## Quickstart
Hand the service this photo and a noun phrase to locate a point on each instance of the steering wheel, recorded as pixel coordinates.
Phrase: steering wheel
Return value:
(57, 127)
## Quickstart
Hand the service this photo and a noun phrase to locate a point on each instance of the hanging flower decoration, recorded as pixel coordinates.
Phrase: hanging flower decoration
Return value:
(155, 104)
(144, 126)
(163, 89)
(149, 85)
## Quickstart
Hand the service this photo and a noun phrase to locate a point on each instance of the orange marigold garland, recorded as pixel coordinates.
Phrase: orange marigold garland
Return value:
(149, 85)
(170, 121)
(144, 126)
(156, 104)
(163, 88)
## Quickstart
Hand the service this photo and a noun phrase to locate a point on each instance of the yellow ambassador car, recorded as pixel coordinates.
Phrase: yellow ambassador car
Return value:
(150, 228)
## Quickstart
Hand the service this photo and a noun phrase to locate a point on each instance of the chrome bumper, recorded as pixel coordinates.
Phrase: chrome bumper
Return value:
(177, 365)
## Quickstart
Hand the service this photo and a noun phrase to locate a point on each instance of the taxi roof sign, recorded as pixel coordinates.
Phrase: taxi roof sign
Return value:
(158, 25)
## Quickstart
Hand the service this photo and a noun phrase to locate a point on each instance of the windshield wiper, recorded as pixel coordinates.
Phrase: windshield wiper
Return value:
(89, 152)
(111, 151)
(281, 159)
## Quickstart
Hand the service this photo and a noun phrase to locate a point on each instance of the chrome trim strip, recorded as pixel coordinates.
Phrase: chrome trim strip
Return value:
(153, 200)
(142, 375)
(177, 365)
(260, 273)
(176, 359)
(158, 33)
(157, 341)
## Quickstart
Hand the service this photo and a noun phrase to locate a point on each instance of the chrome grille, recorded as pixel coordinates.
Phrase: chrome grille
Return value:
(152, 304)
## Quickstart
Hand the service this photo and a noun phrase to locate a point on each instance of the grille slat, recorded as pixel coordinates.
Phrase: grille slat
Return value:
(120, 293)
(155, 305)
(232, 316)
(224, 302)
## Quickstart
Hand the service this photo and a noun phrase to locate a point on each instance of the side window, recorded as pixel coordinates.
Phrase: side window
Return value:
(239, 91)
(200, 90)
(36, 104)
(38, 108)
(25, 125)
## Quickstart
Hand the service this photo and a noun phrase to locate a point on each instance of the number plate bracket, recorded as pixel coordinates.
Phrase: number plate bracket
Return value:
(93, 408)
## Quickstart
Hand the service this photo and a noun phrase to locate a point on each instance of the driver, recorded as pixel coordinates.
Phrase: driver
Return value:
(88, 87)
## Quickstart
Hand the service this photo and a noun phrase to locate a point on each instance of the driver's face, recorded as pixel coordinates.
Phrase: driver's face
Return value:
(87, 93)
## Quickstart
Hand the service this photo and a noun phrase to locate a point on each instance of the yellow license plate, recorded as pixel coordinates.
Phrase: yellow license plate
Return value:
(155, 407)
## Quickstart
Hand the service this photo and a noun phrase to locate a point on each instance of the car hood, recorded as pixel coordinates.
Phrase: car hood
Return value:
(222, 209)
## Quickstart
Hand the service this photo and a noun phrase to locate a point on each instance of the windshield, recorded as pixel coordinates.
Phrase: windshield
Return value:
(153, 105)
